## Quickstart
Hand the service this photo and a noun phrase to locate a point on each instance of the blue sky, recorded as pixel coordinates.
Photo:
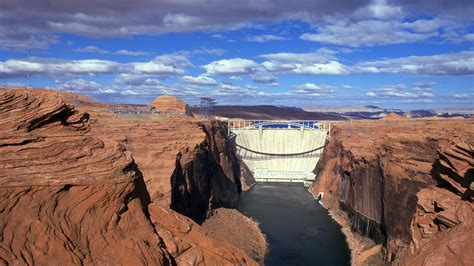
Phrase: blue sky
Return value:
(393, 54)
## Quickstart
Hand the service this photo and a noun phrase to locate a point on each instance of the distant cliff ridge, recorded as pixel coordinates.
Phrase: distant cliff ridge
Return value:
(270, 112)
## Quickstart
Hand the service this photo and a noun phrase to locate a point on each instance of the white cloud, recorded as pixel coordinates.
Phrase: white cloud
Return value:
(156, 68)
(320, 62)
(56, 67)
(171, 64)
(129, 79)
(372, 32)
(424, 86)
(232, 90)
(199, 80)
(264, 38)
(91, 49)
(311, 89)
(234, 66)
(82, 86)
(469, 37)
(131, 53)
(264, 78)
(452, 64)
(399, 91)
(379, 9)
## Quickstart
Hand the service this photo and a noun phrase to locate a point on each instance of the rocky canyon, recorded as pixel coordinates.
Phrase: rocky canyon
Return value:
(79, 185)
(405, 183)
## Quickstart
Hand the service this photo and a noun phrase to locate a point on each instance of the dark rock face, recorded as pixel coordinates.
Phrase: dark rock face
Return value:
(374, 170)
(207, 178)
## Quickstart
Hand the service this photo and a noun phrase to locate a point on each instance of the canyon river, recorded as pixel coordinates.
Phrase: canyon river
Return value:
(299, 230)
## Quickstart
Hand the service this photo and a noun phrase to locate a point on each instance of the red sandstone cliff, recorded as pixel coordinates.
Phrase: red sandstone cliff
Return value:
(405, 185)
(69, 195)
(187, 164)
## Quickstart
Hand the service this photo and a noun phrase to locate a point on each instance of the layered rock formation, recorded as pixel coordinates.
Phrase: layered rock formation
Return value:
(67, 197)
(187, 164)
(168, 104)
(70, 195)
(376, 170)
(442, 228)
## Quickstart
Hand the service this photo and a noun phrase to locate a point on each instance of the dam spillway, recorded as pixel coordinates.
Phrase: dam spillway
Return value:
(280, 151)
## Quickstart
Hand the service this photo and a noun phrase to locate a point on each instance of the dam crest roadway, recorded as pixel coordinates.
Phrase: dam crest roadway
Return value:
(280, 150)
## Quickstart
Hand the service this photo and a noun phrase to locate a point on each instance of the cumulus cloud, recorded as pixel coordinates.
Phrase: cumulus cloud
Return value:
(172, 64)
(264, 38)
(452, 64)
(320, 62)
(264, 78)
(424, 86)
(91, 49)
(311, 89)
(225, 89)
(82, 86)
(199, 80)
(398, 91)
(234, 66)
(56, 67)
(131, 79)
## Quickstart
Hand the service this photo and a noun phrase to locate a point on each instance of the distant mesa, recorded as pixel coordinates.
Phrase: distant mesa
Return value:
(168, 104)
(394, 116)
(372, 107)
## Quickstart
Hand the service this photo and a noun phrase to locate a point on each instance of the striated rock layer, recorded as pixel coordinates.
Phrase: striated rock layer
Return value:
(70, 196)
(403, 183)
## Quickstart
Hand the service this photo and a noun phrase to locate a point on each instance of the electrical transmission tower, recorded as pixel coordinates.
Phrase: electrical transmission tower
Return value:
(206, 106)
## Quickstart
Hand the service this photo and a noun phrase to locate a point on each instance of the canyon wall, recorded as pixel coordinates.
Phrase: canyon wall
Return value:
(71, 194)
(390, 176)
(187, 164)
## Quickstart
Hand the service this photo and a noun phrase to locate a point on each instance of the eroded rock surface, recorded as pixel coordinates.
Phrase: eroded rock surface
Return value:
(70, 194)
(375, 170)
(67, 197)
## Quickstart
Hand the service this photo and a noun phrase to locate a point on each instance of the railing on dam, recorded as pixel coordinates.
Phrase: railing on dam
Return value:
(282, 150)
(236, 124)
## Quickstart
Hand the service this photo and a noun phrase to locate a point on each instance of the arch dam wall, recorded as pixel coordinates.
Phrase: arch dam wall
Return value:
(280, 154)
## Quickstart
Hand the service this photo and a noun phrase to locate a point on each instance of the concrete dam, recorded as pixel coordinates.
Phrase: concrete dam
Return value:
(280, 151)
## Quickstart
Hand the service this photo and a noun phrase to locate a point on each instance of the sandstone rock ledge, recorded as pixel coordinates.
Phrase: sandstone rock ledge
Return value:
(70, 197)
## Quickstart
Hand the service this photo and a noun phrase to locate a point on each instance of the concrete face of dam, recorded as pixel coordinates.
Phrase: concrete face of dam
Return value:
(280, 154)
